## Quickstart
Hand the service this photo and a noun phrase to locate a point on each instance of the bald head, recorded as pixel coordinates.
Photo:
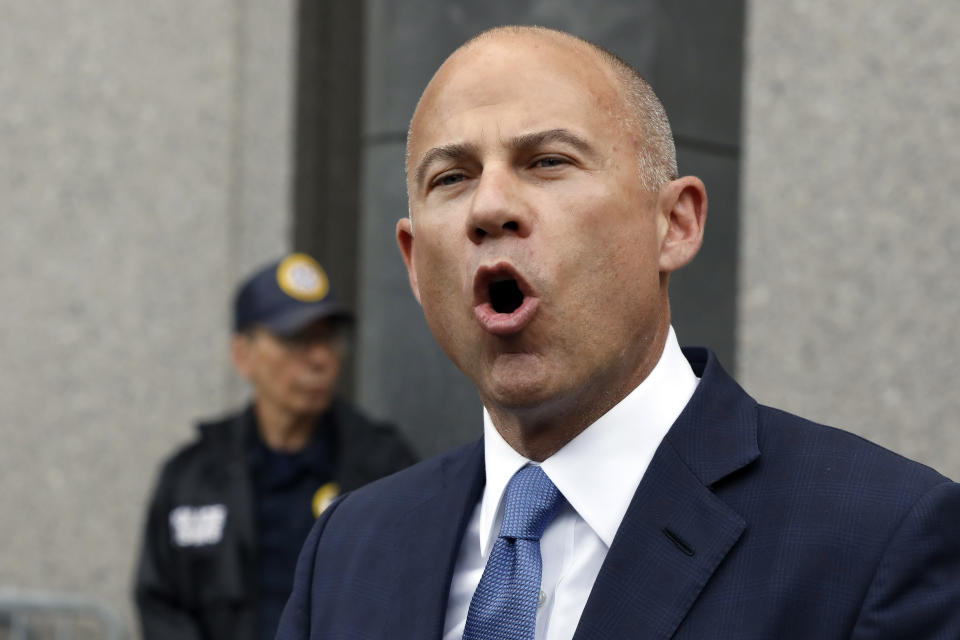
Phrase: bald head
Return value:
(644, 117)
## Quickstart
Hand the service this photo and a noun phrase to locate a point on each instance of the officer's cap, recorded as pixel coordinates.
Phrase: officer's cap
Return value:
(286, 296)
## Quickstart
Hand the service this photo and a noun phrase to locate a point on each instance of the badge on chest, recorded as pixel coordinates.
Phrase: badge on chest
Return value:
(198, 526)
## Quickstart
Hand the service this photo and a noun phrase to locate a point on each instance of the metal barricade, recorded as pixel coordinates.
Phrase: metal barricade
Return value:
(41, 616)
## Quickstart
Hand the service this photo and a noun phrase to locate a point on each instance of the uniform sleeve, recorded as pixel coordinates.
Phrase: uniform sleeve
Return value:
(155, 590)
(369, 450)
(916, 589)
(399, 453)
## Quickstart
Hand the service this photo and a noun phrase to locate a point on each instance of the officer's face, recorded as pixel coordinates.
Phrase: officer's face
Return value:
(295, 375)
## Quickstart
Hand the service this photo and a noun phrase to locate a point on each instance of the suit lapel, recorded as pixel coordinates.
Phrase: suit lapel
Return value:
(676, 532)
(672, 538)
(428, 556)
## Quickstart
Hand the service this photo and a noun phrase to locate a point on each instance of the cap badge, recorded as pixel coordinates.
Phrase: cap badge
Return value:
(302, 278)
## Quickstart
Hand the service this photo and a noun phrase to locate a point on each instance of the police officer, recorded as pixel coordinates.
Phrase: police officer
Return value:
(231, 510)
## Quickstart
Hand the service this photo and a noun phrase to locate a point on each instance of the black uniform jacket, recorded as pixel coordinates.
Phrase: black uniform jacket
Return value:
(203, 584)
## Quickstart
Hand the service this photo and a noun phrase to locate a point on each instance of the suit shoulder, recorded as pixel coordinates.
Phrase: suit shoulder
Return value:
(828, 452)
(403, 490)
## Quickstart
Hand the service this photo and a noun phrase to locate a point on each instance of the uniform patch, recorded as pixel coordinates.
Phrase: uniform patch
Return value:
(198, 526)
(302, 278)
(324, 496)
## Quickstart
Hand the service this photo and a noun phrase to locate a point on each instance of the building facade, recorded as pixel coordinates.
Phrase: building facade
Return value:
(152, 153)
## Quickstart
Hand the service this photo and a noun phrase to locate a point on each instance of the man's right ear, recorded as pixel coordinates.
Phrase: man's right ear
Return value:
(405, 241)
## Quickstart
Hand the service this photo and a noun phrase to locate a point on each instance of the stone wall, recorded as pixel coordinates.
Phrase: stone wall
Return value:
(145, 166)
(144, 162)
(851, 235)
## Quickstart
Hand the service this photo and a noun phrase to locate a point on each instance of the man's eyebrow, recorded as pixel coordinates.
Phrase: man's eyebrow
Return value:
(454, 151)
(539, 138)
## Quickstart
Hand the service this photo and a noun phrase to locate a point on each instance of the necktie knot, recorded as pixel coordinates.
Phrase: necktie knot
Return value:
(530, 503)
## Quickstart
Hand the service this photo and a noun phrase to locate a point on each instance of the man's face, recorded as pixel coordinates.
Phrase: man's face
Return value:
(535, 249)
(295, 375)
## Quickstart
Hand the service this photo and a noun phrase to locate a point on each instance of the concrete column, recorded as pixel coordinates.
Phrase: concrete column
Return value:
(143, 167)
(849, 300)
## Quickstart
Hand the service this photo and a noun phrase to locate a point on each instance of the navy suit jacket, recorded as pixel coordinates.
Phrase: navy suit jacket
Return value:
(749, 523)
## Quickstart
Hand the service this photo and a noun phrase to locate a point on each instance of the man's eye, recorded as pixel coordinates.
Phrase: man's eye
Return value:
(549, 161)
(448, 179)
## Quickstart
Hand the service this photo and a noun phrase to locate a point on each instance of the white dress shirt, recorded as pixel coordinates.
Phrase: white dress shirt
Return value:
(598, 473)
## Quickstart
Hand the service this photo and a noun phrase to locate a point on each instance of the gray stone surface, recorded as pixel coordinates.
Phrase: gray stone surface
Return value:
(143, 167)
(696, 67)
(850, 274)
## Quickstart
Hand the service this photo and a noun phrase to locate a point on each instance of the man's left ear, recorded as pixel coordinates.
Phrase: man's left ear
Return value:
(682, 204)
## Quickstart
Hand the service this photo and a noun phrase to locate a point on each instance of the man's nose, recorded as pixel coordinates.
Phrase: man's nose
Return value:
(498, 207)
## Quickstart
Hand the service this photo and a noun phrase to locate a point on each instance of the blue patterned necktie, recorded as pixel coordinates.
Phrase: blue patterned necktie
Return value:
(504, 606)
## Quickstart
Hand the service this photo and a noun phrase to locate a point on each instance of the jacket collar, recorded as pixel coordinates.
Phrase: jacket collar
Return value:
(717, 432)
(676, 532)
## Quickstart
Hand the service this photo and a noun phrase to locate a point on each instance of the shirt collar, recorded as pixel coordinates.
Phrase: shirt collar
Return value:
(598, 471)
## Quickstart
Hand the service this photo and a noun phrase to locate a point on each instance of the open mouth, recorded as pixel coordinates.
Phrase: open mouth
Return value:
(505, 296)
(504, 303)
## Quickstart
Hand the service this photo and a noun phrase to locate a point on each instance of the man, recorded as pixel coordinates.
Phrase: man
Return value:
(231, 510)
(623, 489)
